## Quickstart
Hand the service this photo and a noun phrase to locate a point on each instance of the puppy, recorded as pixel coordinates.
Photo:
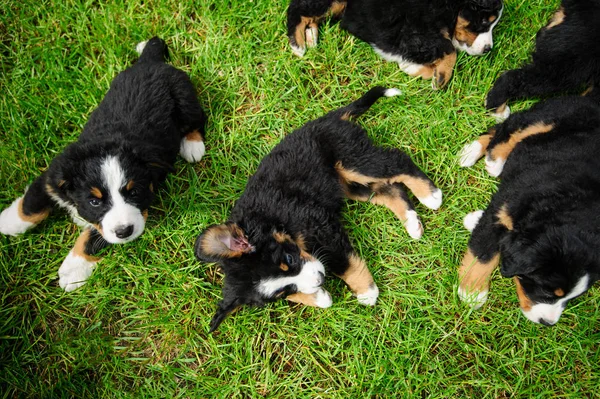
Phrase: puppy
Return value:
(106, 179)
(544, 220)
(290, 213)
(566, 58)
(421, 36)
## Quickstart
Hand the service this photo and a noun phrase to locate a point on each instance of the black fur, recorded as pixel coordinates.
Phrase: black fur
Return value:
(566, 58)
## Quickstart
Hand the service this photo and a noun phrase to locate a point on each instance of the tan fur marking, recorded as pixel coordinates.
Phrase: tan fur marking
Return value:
(357, 276)
(474, 276)
(299, 31)
(129, 185)
(503, 150)
(426, 72)
(484, 140)
(587, 91)
(282, 237)
(61, 183)
(394, 203)
(194, 136)
(462, 33)
(443, 68)
(504, 218)
(524, 301)
(305, 299)
(492, 18)
(345, 116)
(79, 248)
(151, 187)
(559, 292)
(501, 108)
(337, 7)
(557, 19)
(284, 267)
(34, 218)
(145, 214)
(95, 191)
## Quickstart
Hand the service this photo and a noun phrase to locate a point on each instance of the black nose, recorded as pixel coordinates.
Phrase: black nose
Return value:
(321, 278)
(487, 49)
(546, 323)
(124, 231)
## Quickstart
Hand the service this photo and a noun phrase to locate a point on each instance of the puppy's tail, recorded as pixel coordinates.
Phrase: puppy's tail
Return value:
(361, 105)
(153, 50)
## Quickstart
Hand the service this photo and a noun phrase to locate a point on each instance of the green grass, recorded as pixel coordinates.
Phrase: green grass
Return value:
(139, 327)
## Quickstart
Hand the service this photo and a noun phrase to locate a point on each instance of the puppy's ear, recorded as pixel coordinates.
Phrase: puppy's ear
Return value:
(226, 306)
(222, 241)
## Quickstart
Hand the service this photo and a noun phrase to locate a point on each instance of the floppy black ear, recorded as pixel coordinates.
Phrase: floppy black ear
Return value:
(222, 241)
(226, 306)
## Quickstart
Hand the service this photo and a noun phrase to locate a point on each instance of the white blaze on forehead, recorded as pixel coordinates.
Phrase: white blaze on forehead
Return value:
(307, 281)
(482, 41)
(121, 214)
(550, 313)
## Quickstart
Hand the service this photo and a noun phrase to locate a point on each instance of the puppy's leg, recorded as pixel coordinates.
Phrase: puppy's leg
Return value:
(80, 262)
(302, 22)
(442, 70)
(355, 273)
(320, 299)
(475, 150)
(27, 211)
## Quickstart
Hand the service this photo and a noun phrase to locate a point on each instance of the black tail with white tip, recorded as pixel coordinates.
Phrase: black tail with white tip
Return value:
(361, 105)
(153, 50)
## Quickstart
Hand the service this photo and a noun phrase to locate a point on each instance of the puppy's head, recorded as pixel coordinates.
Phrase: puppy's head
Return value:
(258, 270)
(474, 25)
(549, 270)
(110, 190)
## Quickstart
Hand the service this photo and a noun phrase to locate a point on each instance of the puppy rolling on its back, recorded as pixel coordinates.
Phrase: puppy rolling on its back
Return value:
(290, 212)
(129, 145)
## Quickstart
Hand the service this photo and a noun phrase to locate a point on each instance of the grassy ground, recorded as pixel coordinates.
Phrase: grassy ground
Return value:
(139, 327)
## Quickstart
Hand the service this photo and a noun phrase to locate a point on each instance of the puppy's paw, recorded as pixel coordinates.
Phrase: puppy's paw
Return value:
(502, 113)
(139, 48)
(298, 50)
(11, 220)
(413, 225)
(433, 201)
(369, 297)
(322, 298)
(494, 166)
(470, 154)
(471, 220)
(74, 271)
(474, 299)
(192, 148)
(311, 34)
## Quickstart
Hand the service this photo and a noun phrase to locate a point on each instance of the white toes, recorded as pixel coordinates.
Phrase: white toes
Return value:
(413, 225)
(474, 299)
(471, 220)
(323, 299)
(434, 201)
(191, 150)
(140, 47)
(494, 167)
(392, 92)
(502, 115)
(74, 271)
(10, 220)
(470, 153)
(311, 36)
(299, 51)
(369, 297)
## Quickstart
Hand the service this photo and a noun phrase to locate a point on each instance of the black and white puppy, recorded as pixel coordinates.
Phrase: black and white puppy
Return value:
(544, 221)
(289, 214)
(105, 180)
(421, 36)
(566, 58)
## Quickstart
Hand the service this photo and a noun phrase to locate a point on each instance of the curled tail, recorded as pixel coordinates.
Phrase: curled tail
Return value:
(153, 50)
(361, 105)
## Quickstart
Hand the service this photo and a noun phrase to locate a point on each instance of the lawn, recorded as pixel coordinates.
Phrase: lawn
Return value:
(139, 328)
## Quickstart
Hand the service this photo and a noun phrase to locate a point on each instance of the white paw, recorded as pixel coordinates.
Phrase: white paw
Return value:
(413, 225)
(503, 115)
(471, 220)
(311, 37)
(10, 221)
(494, 167)
(323, 299)
(140, 47)
(473, 299)
(74, 271)
(369, 297)
(191, 150)
(392, 92)
(470, 153)
(299, 51)
(434, 201)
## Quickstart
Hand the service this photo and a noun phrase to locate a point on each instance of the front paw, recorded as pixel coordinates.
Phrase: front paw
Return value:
(475, 299)
(322, 298)
(74, 271)
(369, 297)
(12, 222)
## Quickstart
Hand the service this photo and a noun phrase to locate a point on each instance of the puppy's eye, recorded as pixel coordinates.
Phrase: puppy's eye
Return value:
(289, 259)
(95, 202)
(134, 191)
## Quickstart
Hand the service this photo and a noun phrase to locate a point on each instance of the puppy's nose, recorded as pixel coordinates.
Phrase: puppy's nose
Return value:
(546, 322)
(124, 231)
(487, 49)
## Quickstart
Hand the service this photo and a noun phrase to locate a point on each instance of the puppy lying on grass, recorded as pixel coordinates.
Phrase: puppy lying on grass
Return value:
(291, 207)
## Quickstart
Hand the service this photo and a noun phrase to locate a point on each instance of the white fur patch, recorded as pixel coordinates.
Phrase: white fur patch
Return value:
(299, 51)
(413, 225)
(470, 220)
(121, 214)
(392, 92)
(409, 67)
(308, 281)
(502, 116)
(474, 299)
(311, 35)
(550, 313)
(369, 297)
(191, 151)
(11, 223)
(482, 41)
(470, 154)
(323, 298)
(74, 272)
(139, 48)
(494, 167)
(434, 201)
